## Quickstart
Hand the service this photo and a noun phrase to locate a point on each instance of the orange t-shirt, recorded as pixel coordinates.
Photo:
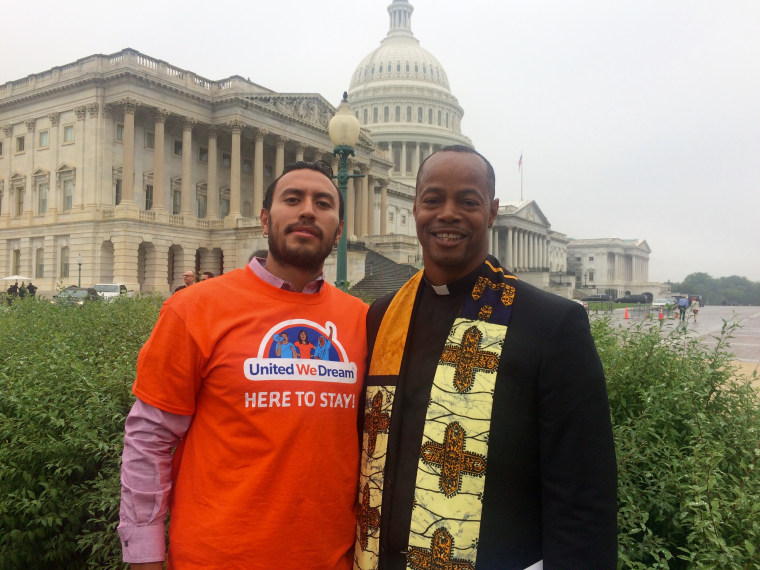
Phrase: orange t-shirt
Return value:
(266, 475)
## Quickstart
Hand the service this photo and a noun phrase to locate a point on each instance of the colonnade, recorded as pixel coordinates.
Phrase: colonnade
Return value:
(520, 249)
(360, 202)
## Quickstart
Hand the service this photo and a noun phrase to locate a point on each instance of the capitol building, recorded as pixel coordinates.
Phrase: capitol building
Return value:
(131, 170)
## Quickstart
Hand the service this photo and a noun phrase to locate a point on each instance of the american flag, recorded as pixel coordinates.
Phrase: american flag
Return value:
(519, 163)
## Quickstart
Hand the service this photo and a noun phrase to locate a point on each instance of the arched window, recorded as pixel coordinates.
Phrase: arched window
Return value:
(386, 114)
(374, 115)
(398, 114)
(439, 118)
(408, 114)
(64, 261)
(39, 263)
(430, 116)
(366, 115)
(419, 114)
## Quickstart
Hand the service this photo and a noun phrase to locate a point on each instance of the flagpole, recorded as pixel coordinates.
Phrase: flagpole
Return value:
(519, 167)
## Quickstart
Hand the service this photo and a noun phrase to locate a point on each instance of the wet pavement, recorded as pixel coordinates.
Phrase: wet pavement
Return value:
(745, 341)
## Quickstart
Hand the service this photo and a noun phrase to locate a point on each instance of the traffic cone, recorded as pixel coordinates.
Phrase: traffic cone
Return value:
(661, 315)
(626, 314)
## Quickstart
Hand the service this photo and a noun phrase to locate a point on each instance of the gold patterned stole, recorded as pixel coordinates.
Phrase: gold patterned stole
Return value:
(450, 482)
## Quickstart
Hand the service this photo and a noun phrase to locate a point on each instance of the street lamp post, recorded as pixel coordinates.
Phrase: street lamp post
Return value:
(585, 277)
(80, 261)
(344, 132)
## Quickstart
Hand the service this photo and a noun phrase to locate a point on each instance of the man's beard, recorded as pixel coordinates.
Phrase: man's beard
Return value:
(295, 256)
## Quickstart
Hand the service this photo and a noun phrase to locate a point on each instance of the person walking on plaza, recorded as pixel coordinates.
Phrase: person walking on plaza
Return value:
(487, 440)
(683, 304)
(266, 464)
(694, 308)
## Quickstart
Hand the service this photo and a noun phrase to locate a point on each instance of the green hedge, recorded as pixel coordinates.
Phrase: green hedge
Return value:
(687, 437)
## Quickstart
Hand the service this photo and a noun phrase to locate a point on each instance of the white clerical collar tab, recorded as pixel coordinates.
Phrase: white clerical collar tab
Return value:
(440, 289)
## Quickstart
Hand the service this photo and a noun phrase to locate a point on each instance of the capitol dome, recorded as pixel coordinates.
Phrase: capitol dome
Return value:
(400, 93)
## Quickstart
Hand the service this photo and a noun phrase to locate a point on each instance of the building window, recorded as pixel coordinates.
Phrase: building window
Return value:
(148, 196)
(39, 263)
(430, 116)
(398, 114)
(439, 118)
(386, 114)
(419, 114)
(374, 115)
(19, 201)
(201, 202)
(590, 275)
(366, 117)
(226, 159)
(16, 262)
(44, 139)
(150, 140)
(396, 159)
(578, 259)
(117, 195)
(203, 154)
(42, 197)
(119, 132)
(224, 203)
(591, 258)
(20, 144)
(64, 261)
(68, 194)
(68, 134)
(408, 114)
(177, 147)
(1, 149)
(247, 165)
(390, 216)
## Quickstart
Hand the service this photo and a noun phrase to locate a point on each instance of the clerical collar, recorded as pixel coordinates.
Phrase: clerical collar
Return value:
(455, 287)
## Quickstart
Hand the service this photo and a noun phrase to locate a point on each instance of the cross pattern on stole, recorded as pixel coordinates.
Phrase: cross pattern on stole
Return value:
(438, 557)
(483, 283)
(375, 421)
(453, 460)
(369, 518)
(468, 359)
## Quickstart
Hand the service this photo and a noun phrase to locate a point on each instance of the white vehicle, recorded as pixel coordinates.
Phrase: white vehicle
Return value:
(110, 291)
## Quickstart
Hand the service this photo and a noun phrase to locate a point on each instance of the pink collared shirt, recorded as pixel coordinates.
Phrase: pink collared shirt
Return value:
(150, 437)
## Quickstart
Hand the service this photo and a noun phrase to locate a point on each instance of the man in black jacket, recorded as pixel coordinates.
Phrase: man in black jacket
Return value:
(487, 436)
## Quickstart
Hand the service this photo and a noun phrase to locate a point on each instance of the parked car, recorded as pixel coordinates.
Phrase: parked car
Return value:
(661, 303)
(110, 291)
(632, 299)
(597, 298)
(76, 296)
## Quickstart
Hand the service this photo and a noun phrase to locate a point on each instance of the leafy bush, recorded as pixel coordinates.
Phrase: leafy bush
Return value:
(687, 435)
(65, 377)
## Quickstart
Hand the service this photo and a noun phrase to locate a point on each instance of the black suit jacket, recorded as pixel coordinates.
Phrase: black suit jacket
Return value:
(551, 479)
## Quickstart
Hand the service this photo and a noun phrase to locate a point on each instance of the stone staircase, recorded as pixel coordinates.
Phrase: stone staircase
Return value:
(381, 276)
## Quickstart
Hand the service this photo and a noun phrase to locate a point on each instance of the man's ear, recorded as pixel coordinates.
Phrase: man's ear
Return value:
(493, 211)
(339, 232)
(264, 220)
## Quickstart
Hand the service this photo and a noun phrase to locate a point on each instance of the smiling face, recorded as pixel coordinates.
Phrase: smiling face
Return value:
(302, 223)
(453, 211)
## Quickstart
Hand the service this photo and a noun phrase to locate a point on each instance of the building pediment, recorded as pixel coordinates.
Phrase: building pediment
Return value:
(526, 210)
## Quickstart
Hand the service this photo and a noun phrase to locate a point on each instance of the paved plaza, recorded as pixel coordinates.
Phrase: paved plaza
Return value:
(745, 343)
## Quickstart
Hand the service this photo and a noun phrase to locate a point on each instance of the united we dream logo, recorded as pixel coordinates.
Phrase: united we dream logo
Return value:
(300, 349)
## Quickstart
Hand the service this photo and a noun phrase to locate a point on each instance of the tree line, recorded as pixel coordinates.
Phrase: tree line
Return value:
(733, 290)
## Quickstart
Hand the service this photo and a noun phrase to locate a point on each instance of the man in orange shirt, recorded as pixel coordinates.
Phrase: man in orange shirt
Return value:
(266, 464)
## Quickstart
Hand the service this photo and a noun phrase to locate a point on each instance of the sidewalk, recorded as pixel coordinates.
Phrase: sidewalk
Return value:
(745, 343)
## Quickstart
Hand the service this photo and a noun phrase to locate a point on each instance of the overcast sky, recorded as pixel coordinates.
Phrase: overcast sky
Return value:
(635, 119)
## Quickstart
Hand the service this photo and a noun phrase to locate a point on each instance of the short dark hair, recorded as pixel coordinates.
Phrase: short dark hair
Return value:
(318, 166)
(490, 174)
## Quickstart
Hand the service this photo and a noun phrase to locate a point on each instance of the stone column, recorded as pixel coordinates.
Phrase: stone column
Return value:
(89, 178)
(156, 258)
(187, 164)
(55, 194)
(128, 160)
(237, 128)
(383, 207)
(403, 159)
(362, 204)
(510, 238)
(299, 151)
(416, 159)
(212, 187)
(371, 231)
(158, 158)
(258, 170)
(495, 242)
(279, 157)
(350, 205)
(80, 137)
